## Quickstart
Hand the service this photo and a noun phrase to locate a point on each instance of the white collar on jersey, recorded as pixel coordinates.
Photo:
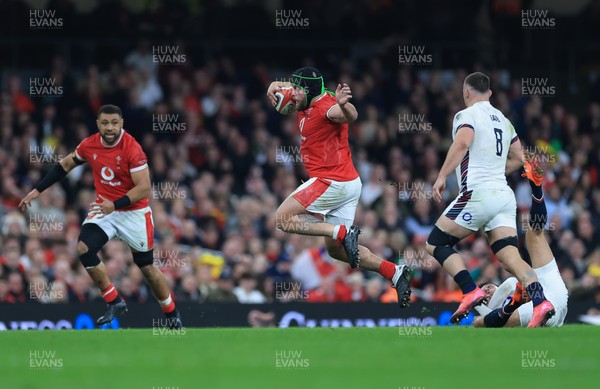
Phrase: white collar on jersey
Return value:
(481, 102)
(317, 99)
(116, 143)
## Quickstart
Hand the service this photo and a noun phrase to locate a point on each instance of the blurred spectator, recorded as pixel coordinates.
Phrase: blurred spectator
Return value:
(188, 289)
(225, 291)
(16, 289)
(79, 290)
(373, 290)
(246, 292)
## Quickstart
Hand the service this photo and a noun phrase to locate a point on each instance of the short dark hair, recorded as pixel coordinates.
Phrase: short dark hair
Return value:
(484, 283)
(478, 81)
(110, 109)
(247, 276)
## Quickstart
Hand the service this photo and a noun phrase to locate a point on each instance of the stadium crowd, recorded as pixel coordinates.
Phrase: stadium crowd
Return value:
(222, 159)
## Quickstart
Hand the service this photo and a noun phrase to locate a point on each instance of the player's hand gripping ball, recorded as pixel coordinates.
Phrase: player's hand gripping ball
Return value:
(285, 103)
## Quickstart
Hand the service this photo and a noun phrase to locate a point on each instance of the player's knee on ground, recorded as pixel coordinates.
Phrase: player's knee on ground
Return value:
(91, 240)
(440, 244)
(498, 245)
(143, 259)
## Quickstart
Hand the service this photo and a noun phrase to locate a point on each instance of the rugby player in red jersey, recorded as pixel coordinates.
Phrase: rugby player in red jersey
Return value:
(121, 210)
(333, 190)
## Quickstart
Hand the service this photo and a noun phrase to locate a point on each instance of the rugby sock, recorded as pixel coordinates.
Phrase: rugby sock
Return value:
(538, 215)
(110, 295)
(387, 269)
(167, 305)
(499, 317)
(464, 280)
(339, 233)
(536, 190)
(536, 292)
(496, 318)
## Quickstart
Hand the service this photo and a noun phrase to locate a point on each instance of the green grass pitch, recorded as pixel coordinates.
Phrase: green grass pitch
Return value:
(434, 357)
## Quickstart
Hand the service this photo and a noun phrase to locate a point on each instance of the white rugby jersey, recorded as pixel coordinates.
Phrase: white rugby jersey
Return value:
(484, 165)
(548, 275)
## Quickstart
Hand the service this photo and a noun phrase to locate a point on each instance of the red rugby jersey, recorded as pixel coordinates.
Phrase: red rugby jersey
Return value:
(112, 166)
(324, 148)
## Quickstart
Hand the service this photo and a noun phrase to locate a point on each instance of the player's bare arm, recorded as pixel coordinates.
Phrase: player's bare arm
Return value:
(57, 173)
(141, 190)
(515, 158)
(343, 112)
(458, 150)
(273, 88)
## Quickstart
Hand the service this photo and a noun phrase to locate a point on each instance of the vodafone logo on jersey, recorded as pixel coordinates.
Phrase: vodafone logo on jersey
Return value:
(108, 174)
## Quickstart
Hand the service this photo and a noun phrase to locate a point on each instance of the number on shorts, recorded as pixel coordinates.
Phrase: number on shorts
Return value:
(498, 133)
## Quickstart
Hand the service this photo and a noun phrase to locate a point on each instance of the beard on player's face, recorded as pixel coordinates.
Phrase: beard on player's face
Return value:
(300, 99)
(110, 134)
(109, 126)
(300, 105)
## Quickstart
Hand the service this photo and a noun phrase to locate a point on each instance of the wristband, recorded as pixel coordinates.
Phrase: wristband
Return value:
(55, 174)
(122, 202)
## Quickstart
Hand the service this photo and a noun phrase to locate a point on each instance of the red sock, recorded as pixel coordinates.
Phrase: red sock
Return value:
(387, 269)
(110, 294)
(167, 305)
(339, 233)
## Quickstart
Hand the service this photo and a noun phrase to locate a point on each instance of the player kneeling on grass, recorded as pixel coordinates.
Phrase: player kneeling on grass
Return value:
(509, 304)
(122, 183)
(333, 190)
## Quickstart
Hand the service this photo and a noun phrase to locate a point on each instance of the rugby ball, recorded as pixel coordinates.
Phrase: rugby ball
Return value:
(285, 103)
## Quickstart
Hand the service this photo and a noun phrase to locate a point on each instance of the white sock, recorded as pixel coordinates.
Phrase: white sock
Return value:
(336, 230)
